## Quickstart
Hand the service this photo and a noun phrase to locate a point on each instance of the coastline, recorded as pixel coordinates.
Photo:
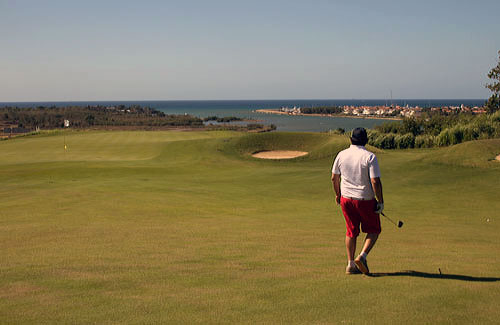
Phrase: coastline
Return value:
(274, 111)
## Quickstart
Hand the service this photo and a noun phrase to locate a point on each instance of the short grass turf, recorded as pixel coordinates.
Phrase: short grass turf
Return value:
(187, 227)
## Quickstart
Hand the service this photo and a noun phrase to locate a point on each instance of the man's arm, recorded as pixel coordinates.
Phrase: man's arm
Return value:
(377, 189)
(336, 187)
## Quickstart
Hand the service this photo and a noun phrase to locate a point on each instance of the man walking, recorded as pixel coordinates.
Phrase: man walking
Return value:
(356, 181)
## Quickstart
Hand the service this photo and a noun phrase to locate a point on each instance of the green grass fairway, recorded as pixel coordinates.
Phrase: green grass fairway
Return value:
(187, 227)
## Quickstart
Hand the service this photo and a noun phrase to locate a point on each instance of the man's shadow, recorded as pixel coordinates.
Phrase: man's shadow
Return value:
(436, 276)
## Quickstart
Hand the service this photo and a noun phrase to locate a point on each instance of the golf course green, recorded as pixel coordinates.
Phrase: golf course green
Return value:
(187, 227)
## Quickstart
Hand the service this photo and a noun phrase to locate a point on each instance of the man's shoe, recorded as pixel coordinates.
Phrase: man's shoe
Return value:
(352, 270)
(362, 265)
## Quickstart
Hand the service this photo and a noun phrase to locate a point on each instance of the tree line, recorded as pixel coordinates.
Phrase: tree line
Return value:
(88, 116)
(322, 110)
(225, 119)
(435, 130)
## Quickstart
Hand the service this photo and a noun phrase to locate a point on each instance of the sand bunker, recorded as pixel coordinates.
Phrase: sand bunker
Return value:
(498, 157)
(279, 154)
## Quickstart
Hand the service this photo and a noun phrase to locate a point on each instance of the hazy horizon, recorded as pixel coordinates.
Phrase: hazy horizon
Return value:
(242, 99)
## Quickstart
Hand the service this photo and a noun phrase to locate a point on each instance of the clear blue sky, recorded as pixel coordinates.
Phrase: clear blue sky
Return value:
(139, 50)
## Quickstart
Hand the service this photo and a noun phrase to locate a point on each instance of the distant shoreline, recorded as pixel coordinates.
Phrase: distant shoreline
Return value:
(275, 111)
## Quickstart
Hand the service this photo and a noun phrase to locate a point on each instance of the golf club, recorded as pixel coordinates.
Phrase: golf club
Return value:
(399, 224)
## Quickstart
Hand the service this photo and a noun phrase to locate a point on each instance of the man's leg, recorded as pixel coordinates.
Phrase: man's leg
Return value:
(350, 244)
(360, 261)
(369, 243)
(370, 223)
(352, 221)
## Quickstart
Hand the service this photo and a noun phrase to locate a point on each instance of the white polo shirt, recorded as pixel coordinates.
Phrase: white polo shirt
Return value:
(356, 165)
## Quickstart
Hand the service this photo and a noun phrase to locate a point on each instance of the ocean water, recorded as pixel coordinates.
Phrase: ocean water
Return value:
(246, 109)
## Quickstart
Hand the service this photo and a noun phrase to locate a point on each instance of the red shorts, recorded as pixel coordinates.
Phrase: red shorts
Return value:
(358, 211)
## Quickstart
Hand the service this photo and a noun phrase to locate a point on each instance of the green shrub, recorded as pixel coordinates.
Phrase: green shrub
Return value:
(486, 130)
(471, 132)
(389, 127)
(431, 130)
(443, 139)
(405, 141)
(424, 141)
(495, 117)
(372, 136)
(375, 139)
(456, 134)
(387, 141)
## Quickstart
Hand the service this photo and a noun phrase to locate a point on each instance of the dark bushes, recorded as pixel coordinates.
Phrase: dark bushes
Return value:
(322, 110)
(435, 130)
(391, 140)
(86, 116)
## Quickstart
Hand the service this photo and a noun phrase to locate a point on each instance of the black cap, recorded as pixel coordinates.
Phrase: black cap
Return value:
(359, 136)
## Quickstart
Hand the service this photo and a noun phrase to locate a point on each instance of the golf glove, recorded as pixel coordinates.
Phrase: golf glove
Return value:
(380, 208)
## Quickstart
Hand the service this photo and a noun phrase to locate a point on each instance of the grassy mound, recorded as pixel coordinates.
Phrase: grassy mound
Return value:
(94, 146)
(480, 153)
(316, 144)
